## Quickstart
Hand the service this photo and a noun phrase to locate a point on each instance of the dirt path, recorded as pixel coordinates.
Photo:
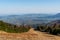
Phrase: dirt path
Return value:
(44, 36)
(30, 35)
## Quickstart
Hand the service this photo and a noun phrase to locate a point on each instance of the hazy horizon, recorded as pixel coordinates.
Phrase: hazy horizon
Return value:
(4, 14)
(11, 7)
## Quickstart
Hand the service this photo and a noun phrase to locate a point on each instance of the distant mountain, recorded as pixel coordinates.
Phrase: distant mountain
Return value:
(54, 17)
(30, 18)
(57, 15)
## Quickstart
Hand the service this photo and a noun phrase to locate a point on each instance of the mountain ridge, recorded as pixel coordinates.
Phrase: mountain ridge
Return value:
(30, 18)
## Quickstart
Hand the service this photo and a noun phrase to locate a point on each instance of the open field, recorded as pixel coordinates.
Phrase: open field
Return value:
(30, 35)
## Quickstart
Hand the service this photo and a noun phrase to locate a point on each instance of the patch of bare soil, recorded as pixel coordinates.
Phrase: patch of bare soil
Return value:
(30, 35)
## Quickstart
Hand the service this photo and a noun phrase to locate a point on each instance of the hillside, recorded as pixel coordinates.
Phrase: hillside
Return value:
(11, 28)
(30, 35)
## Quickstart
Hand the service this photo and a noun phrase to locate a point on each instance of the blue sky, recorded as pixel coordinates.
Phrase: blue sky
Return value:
(29, 6)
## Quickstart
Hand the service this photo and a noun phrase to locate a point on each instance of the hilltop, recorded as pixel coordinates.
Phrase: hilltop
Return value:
(30, 35)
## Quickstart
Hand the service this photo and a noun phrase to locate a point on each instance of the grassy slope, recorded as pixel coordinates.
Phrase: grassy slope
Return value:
(30, 35)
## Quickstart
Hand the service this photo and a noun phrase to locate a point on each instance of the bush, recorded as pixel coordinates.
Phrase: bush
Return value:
(10, 28)
(52, 29)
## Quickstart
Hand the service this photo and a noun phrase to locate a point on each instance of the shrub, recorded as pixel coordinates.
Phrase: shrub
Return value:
(10, 28)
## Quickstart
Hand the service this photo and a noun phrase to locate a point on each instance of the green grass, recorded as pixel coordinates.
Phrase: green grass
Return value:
(10, 28)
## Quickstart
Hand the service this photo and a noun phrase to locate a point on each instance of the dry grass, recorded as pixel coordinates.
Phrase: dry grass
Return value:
(30, 35)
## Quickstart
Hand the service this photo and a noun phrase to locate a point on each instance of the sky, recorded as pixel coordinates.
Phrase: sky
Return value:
(29, 6)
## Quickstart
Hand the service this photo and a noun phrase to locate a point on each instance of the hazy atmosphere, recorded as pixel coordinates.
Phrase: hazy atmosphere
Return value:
(29, 19)
(29, 6)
